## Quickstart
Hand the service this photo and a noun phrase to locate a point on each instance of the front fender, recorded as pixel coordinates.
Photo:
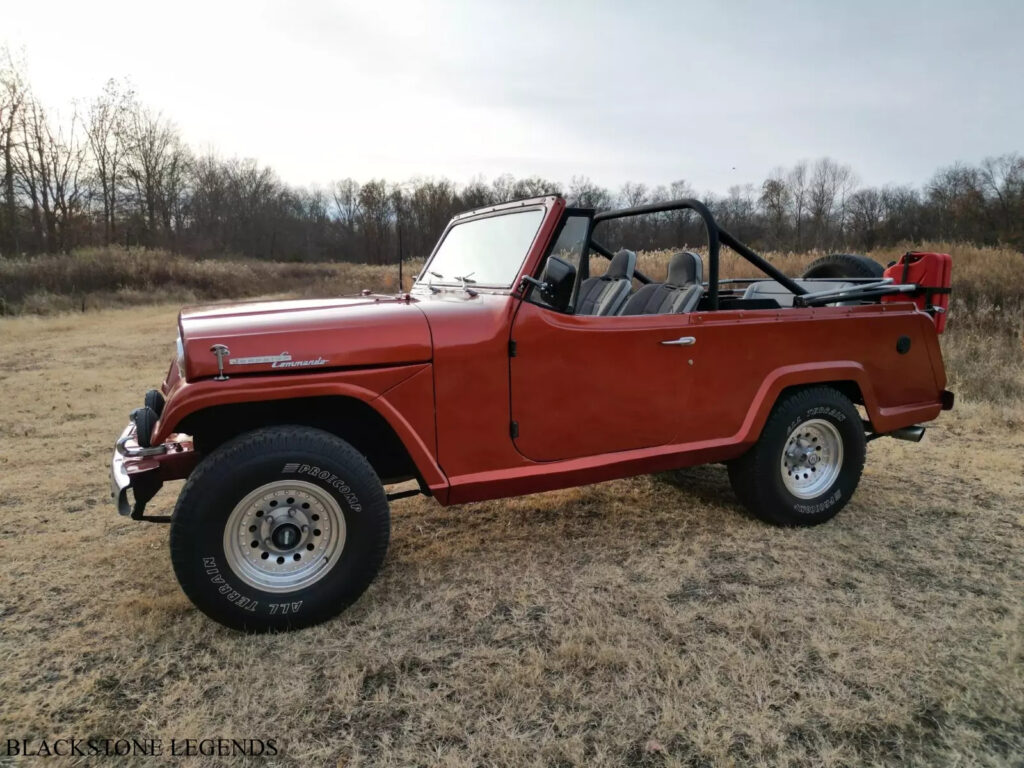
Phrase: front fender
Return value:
(368, 386)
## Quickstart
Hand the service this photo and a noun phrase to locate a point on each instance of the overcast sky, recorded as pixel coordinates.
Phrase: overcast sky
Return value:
(717, 93)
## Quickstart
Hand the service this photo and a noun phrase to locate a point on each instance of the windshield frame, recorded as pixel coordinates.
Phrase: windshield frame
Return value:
(425, 280)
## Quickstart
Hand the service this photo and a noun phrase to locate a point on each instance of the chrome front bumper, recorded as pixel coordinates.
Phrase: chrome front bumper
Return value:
(119, 480)
(137, 473)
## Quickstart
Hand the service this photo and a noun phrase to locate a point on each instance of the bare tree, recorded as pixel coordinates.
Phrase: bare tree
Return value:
(375, 204)
(534, 186)
(346, 202)
(796, 182)
(1002, 180)
(957, 202)
(829, 185)
(66, 156)
(776, 200)
(866, 211)
(586, 194)
(13, 94)
(476, 193)
(632, 195)
(107, 131)
(153, 159)
(33, 174)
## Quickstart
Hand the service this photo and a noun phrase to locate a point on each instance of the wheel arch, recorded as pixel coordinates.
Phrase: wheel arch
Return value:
(848, 377)
(381, 434)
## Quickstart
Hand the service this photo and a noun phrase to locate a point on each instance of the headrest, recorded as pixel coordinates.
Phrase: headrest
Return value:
(685, 268)
(622, 266)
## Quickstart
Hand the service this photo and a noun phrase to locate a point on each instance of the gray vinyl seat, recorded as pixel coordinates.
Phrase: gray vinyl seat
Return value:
(770, 289)
(606, 294)
(680, 292)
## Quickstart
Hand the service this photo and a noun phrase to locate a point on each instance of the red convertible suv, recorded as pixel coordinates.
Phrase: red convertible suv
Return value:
(509, 369)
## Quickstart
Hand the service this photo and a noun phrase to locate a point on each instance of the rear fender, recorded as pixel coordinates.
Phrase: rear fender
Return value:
(841, 375)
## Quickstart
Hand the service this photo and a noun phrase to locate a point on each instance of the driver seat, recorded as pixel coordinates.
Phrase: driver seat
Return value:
(680, 292)
(606, 294)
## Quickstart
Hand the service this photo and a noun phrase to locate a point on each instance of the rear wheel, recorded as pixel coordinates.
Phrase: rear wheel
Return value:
(280, 528)
(807, 462)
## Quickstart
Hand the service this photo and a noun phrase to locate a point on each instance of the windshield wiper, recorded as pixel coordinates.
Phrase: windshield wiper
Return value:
(465, 279)
(429, 284)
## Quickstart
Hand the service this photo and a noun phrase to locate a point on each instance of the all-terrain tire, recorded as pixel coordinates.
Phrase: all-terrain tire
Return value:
(780, 482)
(843, 265)
(279, 528)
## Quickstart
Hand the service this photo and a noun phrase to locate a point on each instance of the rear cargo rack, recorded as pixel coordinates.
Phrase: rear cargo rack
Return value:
(871, 290)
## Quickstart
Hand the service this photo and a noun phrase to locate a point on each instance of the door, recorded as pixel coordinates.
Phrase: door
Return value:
(586, 385)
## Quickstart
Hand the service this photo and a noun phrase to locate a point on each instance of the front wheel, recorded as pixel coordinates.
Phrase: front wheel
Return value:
(806, 465)
(280, 528)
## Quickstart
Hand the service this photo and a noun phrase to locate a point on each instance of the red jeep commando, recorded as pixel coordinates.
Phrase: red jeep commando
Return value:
(508, 369)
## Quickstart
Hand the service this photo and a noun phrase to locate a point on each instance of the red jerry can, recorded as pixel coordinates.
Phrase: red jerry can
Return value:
(932, 273)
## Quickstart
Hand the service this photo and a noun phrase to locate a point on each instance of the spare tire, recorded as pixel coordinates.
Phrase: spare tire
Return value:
(843, 265)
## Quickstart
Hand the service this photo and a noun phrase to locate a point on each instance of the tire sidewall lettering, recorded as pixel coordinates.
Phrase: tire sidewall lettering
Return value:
(327, 477)
(828, 412)
(232, 471)
(254, 601)
(224, 588)
(821, 506)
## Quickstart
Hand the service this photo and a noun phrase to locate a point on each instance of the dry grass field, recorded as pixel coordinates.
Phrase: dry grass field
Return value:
(644, 622)
(113, 277)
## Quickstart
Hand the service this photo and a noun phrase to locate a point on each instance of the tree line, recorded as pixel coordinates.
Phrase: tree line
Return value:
(115, 172)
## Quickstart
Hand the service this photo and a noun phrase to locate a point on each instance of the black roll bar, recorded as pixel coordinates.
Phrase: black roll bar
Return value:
(716, 235)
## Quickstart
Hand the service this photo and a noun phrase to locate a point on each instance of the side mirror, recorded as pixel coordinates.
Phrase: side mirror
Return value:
(556, 282)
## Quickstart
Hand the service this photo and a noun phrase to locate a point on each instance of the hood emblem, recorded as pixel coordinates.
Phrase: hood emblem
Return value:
(283, 360)
(221, 352)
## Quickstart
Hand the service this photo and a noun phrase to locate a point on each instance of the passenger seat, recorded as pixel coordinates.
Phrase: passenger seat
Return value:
(680, 292)
(606, 294)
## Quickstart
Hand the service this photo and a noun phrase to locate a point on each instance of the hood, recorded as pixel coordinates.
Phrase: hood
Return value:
(304, 336)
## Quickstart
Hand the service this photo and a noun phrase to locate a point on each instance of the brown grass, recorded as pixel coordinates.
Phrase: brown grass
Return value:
(96, 278)
(644, 622)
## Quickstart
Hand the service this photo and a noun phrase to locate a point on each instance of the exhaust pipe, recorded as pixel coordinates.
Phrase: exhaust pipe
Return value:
(913, 433)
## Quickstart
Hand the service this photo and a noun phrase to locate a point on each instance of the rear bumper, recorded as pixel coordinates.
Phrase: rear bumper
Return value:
(136, 473)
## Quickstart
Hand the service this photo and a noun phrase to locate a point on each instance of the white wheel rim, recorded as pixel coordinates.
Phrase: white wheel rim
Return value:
(284, 536)
(812, 458)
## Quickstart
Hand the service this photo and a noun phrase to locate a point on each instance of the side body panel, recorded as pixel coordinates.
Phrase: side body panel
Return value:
(727, 383)
(471, 386)
(585, 385)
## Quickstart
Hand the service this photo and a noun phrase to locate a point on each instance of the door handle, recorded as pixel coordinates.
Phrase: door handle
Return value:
(682, 341)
